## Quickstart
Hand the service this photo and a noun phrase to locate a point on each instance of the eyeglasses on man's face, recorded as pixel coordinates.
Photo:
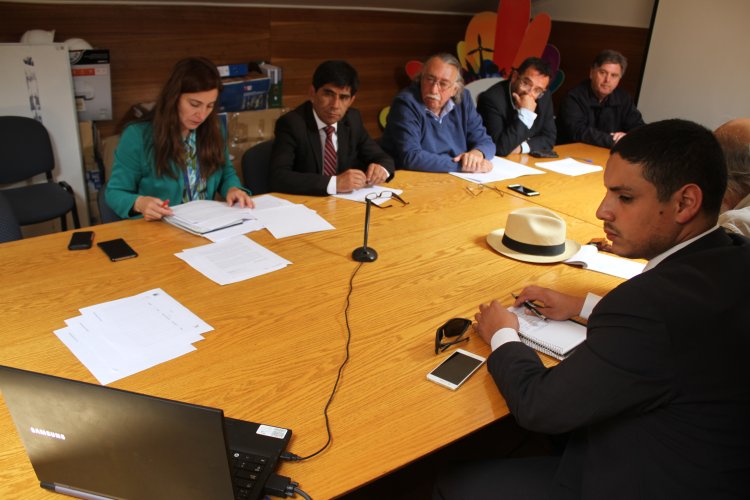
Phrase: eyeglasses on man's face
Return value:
(455, 327)
(386, 195)
(431, 80)
(525, 83)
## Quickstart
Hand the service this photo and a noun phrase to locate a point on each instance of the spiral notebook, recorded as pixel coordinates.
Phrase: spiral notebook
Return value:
(555, 338)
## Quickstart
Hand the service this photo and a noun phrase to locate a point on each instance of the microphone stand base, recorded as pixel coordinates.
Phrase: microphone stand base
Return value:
(364, 254)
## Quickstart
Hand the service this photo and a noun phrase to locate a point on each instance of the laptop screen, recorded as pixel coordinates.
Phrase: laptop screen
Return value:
(121, 444)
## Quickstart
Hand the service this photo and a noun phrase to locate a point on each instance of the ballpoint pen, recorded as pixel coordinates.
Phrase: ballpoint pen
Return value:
(165, 203)
(587, 160)
(534, 308)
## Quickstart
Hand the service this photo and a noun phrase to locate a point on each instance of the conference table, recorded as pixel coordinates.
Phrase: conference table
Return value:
(279, 338)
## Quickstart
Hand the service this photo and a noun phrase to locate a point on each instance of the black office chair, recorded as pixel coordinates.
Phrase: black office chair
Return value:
(10, 230)
(256, 166)
(106, 214)
(26, 151)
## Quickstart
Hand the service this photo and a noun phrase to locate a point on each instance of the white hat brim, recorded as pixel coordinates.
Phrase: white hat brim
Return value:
(495, 240)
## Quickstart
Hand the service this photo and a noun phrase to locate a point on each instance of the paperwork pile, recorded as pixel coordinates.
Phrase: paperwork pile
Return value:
(122, 337)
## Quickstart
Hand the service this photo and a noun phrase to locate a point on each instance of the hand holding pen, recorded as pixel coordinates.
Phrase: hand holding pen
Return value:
(549, 303)
(530, 306)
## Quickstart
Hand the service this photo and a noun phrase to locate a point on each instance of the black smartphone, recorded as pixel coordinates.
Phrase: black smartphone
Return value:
(544, 154)
(117, 249)
(523, 190)
(81, 240)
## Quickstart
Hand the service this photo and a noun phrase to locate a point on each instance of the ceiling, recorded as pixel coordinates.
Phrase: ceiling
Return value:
(470, 7)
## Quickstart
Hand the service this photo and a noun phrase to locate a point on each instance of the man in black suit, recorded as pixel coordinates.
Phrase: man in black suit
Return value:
(518, 112)
(299, 162)
(656, 401)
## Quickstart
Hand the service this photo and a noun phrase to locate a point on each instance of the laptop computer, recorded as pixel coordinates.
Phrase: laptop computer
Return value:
(95, 442)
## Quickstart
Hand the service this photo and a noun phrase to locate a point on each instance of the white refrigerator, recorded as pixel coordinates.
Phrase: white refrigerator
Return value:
(36, 82)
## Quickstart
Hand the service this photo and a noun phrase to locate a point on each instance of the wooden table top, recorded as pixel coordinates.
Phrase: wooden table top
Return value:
(279, 338)
(577, 196)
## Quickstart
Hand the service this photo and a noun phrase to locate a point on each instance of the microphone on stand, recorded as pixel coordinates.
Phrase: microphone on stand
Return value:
(364, 253)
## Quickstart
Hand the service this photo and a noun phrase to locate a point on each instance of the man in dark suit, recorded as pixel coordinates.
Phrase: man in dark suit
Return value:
(322, 147)
(656, 401)
(518, 112)
(597, 111)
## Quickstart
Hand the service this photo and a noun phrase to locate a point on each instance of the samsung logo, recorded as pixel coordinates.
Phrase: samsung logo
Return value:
(45, 432)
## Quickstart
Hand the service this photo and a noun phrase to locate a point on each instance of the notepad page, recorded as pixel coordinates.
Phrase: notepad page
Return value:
(559, 337)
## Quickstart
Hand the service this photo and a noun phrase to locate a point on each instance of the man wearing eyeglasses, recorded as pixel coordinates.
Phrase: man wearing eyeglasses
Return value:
(518, 112)
(433, 125)
(322, 146)
(596, 111)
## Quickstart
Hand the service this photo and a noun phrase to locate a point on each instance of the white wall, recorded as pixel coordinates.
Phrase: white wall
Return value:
(698, 66)
(632, 13)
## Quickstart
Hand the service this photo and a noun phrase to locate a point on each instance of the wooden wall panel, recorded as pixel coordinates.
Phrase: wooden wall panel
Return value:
(579, 43)
(145, 41)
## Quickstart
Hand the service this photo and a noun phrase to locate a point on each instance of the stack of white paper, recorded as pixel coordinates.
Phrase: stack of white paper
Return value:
(502, 169)
(232, 260)
(122, 337)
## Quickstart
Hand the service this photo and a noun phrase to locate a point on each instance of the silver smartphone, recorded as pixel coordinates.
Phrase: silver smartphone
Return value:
(456, 368)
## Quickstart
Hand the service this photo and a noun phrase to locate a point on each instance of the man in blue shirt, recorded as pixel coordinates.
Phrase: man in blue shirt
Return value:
(433, 125)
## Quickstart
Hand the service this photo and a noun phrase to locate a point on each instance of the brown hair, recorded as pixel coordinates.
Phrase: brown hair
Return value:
(194, 74)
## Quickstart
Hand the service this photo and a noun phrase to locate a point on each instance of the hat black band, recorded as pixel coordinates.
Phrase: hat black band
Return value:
(545, 250)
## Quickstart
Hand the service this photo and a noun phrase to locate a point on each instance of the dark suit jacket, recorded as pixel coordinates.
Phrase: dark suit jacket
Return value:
(297, 156)
(658, 397)
(506, 129)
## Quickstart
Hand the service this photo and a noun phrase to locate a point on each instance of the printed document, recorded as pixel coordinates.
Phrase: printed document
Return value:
(502, 169)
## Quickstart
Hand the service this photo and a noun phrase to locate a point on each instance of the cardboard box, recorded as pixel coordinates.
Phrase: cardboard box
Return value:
(245, 95)
(246, 129)
(92, 84)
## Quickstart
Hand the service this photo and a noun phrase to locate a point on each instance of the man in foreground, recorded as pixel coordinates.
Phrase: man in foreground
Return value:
(433, 125)
(322, 147)
(657, 399)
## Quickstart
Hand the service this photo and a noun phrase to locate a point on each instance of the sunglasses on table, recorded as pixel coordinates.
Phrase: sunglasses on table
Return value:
(455, 327)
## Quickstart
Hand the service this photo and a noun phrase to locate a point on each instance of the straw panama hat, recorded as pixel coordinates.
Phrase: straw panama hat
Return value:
(533, 235)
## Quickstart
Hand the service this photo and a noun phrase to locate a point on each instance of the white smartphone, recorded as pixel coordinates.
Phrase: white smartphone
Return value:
(456, 368)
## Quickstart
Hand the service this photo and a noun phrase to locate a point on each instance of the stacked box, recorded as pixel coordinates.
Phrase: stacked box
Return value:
(245, 95)
(92, 84)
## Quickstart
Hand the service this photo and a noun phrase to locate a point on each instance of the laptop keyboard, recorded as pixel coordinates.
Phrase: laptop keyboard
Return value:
(247, 470)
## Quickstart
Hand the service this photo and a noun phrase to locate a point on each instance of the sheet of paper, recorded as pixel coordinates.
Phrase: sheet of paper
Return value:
(232, 260)
(360, 194)
(292, 220)
(265, 201)
(569, 166)
(121, 337)
(502, 169)
(594, 260)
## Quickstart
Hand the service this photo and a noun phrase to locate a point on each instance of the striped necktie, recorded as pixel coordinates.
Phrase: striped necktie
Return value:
(329, 156)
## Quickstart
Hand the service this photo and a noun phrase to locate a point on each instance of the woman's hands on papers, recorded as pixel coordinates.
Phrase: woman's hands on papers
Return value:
(236, 195)
(152, 208)
(492, 317)
(555, 305)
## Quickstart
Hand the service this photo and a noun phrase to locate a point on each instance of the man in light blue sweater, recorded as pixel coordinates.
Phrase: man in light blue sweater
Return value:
(433, 125)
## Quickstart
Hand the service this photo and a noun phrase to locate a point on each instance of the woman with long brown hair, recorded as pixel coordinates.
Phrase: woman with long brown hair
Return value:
(177, 153)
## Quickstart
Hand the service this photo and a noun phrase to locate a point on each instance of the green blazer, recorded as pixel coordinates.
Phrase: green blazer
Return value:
(134, 174)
